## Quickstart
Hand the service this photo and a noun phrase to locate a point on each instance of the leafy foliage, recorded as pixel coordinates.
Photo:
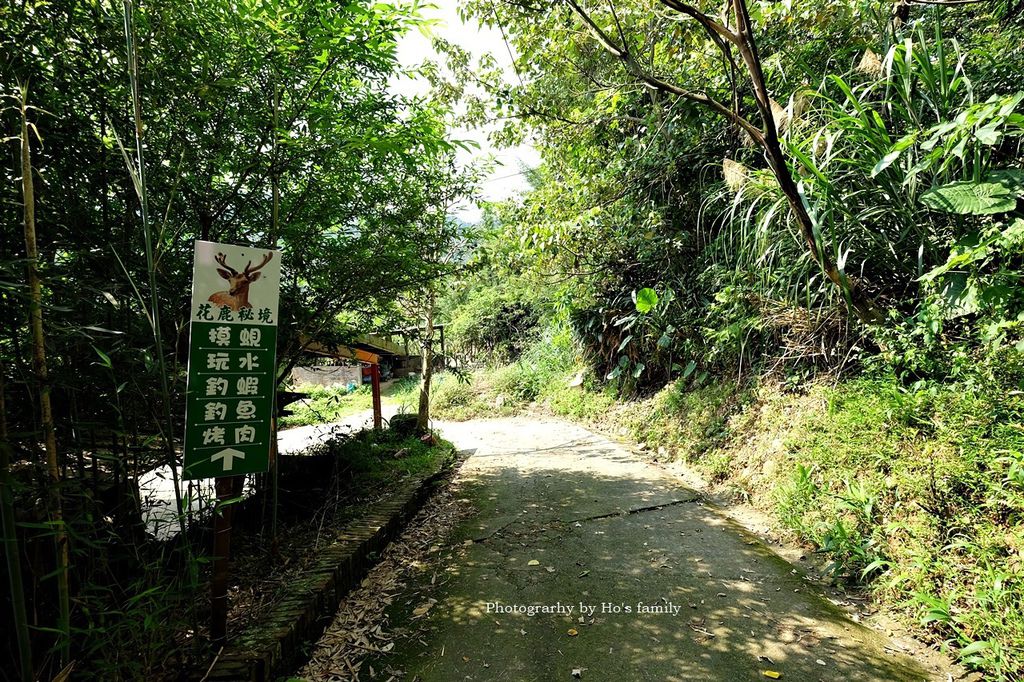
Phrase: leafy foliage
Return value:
(267, 124)
(880, 137)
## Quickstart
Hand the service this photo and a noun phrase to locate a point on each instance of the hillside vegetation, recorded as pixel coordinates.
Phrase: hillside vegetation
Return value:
(811, 295)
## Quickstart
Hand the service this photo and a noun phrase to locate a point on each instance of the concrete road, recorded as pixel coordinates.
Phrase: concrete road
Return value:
(628, 576)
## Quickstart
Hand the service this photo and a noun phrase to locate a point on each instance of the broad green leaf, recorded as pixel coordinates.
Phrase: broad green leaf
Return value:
(975, 647)
(961, 298)
(1013, 235)
(886, 161)
(967, 197)
(104, 358)
(1010, 178)
(990, 134)
(646, 299)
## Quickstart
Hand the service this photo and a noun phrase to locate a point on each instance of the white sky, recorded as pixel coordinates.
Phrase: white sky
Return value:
(506, 179)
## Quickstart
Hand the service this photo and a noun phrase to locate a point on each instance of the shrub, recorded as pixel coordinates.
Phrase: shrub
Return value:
(403, 424)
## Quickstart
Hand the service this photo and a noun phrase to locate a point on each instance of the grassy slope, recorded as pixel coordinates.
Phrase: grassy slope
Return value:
(918, 491)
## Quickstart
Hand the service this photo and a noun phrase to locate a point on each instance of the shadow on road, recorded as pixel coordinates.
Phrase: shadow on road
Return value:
(679, 592)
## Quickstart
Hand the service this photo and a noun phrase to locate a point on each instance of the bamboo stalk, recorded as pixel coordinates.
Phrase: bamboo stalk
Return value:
(275, 214)
(43, 380)
(154, 299)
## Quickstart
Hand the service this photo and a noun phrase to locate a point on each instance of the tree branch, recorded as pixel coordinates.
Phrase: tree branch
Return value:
(768, 139)
(720, 34)
(634, 68)
(716, 30)
(595, 30)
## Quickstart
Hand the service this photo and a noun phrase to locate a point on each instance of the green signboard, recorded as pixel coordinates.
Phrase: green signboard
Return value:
(232, 360)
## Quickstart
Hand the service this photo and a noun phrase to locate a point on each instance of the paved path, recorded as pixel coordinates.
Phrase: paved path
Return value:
(563, 516)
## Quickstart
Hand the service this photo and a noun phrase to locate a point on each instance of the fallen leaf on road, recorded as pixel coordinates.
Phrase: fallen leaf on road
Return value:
(573, 632)
(533, 562)
(772, 674)
(549, 569)
(578, 672)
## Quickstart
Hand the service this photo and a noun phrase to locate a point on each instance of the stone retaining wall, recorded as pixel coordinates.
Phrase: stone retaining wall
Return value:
(269, 647)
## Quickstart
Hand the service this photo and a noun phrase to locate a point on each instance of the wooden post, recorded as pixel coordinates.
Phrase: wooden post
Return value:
(375, 383)
(274, 480)
(221, 555)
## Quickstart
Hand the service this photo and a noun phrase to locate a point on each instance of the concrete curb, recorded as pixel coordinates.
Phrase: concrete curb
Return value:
(265, 649)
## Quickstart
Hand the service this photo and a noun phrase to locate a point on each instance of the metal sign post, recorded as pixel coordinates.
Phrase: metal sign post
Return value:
(231, 380)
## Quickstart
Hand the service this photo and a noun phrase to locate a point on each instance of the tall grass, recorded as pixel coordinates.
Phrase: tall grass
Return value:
(917, 493)
(866, 213)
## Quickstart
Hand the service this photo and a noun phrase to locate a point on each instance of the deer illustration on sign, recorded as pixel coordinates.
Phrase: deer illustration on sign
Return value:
(237, 295)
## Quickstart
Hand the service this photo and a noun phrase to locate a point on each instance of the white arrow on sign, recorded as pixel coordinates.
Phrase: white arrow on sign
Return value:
(228, 455)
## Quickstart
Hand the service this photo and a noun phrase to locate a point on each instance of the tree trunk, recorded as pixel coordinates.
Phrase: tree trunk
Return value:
(862, 305)
(427, 369)
(43, 381)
